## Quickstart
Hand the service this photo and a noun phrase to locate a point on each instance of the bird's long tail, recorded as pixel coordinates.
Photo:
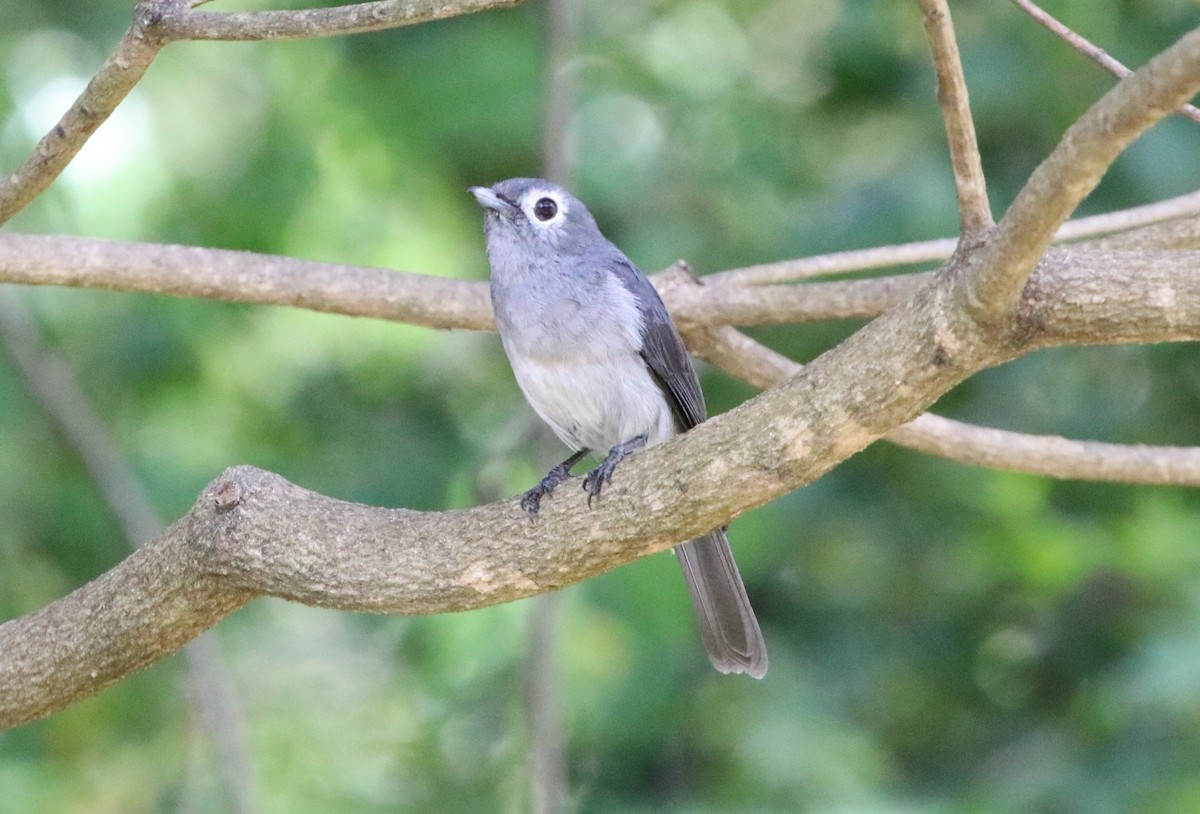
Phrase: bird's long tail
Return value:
(727, 622)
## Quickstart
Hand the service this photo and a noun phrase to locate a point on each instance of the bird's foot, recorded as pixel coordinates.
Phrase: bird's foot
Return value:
(594, 481)
(531, 501)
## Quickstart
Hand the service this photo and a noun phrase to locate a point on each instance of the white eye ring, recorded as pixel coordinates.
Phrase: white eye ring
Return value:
(544, 208)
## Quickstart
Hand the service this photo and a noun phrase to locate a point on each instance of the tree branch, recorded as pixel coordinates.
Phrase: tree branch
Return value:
(220, 274)
(252, 533)
(1049, 456)
(1072, 171)
(825, 265)
(975, 214)
(1137, 217)
(354, 18)
(1078, 294)
(147, 607)
(1182, 233)
(1112, 280)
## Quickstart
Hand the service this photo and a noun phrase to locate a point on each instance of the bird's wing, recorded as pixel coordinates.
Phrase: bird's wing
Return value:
(663, 349)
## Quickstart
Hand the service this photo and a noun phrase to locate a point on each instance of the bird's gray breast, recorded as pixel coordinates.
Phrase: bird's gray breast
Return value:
(573, 335)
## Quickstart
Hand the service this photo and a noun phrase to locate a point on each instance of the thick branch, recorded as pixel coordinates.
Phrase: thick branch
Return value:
(252, 533)
(1050, 456)
(975, 215)
(1072, 171)
(150, 605)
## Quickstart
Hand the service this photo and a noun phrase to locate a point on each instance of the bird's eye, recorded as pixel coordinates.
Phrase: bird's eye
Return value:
(545, 209)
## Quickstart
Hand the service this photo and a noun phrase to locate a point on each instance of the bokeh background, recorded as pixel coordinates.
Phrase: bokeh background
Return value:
(943, 639)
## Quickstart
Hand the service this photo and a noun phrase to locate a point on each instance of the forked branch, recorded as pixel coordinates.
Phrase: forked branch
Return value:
(1073, 170)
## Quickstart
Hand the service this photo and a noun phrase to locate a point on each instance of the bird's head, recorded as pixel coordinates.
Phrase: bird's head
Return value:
(538, 214)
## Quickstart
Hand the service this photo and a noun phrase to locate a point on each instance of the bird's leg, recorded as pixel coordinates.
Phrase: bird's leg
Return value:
(531, 501)
(594, 481)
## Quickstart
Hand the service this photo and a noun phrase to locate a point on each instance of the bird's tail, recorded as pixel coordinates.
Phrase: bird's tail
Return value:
(727, 622)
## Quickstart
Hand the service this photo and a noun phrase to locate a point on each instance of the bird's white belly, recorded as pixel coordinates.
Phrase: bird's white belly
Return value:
(597, 403)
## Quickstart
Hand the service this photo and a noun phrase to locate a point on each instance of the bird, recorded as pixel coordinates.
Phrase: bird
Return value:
(596, 355)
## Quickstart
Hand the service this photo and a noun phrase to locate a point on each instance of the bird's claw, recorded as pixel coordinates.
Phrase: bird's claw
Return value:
(594, 481)
(531, 501)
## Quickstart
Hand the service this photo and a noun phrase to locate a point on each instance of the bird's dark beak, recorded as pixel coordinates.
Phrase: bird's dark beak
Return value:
(488, 199)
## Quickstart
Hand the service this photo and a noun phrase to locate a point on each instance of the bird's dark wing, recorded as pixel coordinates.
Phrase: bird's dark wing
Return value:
(663, 349)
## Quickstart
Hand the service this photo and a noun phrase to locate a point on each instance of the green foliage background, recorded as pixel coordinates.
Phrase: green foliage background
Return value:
(942, 638)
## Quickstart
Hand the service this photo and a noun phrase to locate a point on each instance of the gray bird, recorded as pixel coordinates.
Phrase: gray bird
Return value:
(598, 358)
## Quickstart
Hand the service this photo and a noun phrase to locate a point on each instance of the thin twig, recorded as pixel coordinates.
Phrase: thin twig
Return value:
(1049, 455)
(558, 101)
(846, 262)
(214, 694)
(904, 254)
(1090, 50)
(1080, 295)
(1180, 233)
(1134, 217)
(52, 382)
(157, 22)
(975, 214)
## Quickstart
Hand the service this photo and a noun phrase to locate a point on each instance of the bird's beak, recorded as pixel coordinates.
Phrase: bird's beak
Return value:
(488, 199)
